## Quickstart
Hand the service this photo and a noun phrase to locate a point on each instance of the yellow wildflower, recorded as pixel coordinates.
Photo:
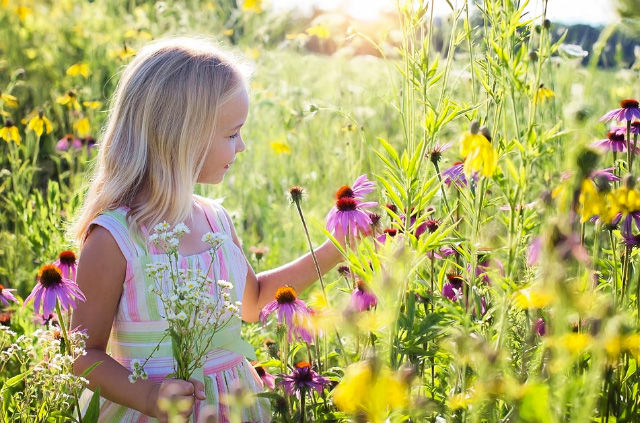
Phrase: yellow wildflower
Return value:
(69, 99)
(623, 200)
(543, 94)
(319, 31)
(280, 147)
(39, 124)
(79, 69)
(124, 53)
(135, 33)
(9, 100)
(591, 202)
(23, 12)
(530, 298)
(480, 155)
(576, 342)
(631, 343)
(375, 395)
(228, 32)
(82, 127)
(254, 6)
(613, 346)
(92, 104)
(9, 132)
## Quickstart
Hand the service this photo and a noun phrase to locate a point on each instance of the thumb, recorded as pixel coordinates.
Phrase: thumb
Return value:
(199, 387)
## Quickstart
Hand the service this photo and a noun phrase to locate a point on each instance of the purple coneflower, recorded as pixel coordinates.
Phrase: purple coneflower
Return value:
(540, 327)
(388, 234)
(67, 264)
(615, 142)
(484, 264)
(362, 299)
(292, 312)
(52, 287)
(6, 295)
(67, 142)
(361, 187)
(535, 248)
(453, 288)
(436, 152)
(5, 319)
(628, 111)
(455, 174)
(348, 215)
(606, 174)
(267, 378)
(302, 379)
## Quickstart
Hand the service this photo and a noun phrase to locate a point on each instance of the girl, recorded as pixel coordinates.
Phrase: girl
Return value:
(175, 121)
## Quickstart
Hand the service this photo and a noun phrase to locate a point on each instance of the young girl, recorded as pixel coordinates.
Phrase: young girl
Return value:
(175, 121)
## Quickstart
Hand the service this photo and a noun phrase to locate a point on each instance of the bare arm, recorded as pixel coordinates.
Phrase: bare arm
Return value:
(300, 274)
(101, 272)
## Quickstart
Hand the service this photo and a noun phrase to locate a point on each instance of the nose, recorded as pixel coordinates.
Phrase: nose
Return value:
(240, 145)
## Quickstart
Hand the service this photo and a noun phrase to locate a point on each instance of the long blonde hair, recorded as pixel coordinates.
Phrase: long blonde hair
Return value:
(163, 117)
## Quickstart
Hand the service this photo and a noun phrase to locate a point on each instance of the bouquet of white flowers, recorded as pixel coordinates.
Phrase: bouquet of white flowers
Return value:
(193, 313)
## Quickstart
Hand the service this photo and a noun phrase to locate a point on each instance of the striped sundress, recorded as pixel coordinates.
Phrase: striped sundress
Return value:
(138, 325)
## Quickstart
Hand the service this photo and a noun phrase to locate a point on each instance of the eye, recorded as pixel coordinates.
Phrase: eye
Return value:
(236, 135)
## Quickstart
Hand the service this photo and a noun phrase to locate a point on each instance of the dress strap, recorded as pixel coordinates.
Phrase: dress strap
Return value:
(215, 215)
(115, 221)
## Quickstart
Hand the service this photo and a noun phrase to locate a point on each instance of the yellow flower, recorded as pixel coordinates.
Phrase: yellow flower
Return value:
(254, 6)
(228, 32)
(591, 202)
(280, 147)
(631, 343)
(124, 53)
(79, 69)
(576, 342)
(530, 298)
(375, 395)
(9, 100)
(543, 94)
(9, 132)
(319, 31)
(39, 124)
(622, 200)
(82, 127)
(480, 155)
(92, 104)
(23, 12)
(69, 99)
(135, 33)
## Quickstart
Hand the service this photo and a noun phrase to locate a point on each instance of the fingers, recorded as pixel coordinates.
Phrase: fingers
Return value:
(199, 389)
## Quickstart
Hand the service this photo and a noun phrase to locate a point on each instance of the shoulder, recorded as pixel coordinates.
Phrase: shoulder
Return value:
(218, 208)
(100, 245)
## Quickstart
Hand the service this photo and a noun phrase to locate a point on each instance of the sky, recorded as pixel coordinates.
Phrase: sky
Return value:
(593, 12)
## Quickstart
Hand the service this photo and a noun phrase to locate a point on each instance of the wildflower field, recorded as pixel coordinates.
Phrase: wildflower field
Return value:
(494, 275)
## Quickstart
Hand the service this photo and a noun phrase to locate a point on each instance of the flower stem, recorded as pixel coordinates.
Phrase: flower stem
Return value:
(63, 328)
(629, 155)
(313, 254)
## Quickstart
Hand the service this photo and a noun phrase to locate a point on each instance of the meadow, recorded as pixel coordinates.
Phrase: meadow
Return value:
(500, 280)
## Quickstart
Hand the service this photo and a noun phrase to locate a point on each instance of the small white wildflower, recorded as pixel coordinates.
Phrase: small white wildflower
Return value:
(225, 284)
(181, 316)
(181, 229)
(153, 238)
(214, 239)
(173, 242)
(132, 378)
(161, 227)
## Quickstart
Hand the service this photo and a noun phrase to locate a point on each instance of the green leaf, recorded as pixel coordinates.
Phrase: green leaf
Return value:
(17, 378)
(93, 411)
(90, 369)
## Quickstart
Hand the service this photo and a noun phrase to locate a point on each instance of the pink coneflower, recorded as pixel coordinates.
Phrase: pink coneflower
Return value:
(436, 152)
(67, 142)
(615, 142)
(267, 378)
(52, 287)
(535, 248)
(606, 174)
(348, 215)
(302, 379)
(43, 320)
(361, 187)
(540, 327)
(292, 312)
(388, 233)
(455, 174)
(453, 288)
(6, 295)
(362, 299)
(628, 110)
(67, 264)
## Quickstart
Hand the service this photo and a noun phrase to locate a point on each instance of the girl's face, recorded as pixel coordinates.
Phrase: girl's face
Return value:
(228, 141)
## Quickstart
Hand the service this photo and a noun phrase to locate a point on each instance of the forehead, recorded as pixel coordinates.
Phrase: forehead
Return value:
(234, 112)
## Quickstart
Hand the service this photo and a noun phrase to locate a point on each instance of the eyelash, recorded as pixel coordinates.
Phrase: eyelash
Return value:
(236, 135)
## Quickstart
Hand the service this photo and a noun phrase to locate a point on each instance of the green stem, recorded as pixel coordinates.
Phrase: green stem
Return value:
(63, 328)
(313, 254)
(615, 268)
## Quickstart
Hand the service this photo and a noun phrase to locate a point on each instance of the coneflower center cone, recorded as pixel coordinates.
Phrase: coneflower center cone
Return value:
(629, 103)
(50, 275)
(344, 191)
(68, 258)
(346, 204)
(614, 136)
(286, 295)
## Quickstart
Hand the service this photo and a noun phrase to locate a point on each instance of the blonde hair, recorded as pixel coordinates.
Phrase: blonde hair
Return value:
(163, 117)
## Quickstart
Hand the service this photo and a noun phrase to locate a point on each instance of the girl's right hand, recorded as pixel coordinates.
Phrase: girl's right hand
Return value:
(176, 394)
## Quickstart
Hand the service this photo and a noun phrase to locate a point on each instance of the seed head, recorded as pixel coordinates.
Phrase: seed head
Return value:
(344, 191)
(67, 257)
(629, 103)
(286, 295)
(295, 194)
(49, 275)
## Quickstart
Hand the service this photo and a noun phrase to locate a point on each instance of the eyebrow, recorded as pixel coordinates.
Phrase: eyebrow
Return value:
(238, 127)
